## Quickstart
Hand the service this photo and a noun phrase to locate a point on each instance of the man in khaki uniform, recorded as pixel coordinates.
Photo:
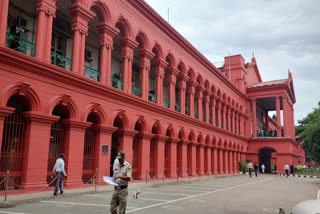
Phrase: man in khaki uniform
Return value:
(120, 192)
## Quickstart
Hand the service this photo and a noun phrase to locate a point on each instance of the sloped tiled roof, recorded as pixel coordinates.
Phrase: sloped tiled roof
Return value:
(268, 83)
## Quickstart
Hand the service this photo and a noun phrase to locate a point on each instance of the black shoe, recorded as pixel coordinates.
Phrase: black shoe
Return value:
(54, 194)
(61, 192)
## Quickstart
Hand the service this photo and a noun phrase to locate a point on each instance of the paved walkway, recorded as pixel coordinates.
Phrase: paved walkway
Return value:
(264, 194)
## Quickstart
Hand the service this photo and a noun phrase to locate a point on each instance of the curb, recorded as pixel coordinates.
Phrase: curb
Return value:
(301, 176)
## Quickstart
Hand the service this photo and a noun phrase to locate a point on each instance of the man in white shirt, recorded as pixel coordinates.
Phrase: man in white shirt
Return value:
(59, 169)
(286, 168)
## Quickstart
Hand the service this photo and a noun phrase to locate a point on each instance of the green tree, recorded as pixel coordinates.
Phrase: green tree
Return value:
(309, 131)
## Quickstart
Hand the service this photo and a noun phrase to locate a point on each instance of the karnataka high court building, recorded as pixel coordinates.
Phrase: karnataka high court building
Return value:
(89, 78)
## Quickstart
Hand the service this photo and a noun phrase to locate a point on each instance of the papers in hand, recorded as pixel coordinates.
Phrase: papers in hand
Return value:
(109, 180)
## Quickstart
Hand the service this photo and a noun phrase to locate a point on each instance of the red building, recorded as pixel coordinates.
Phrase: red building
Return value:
(88, 78)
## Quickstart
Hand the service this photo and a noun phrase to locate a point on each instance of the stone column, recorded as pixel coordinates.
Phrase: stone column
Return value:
(226, 162)
(4, 6)
(182, 84)
(194, 159)
(230, 161)
(209, 161)
(218, 106)
(36, 147)
(102, 162)
(172, 77)
(199, 102)
(126, 143)
(191, 91)
(213, 110)
(286, 119)
(202, 159)
(224, 118)
(106, 34)
(127, 46)
(221, 161)
(172, 171)
(206, 100)
(73, 150)
(254, 118)
(45, 14)
(184, 157)
(235, 162)
(79, 25)
(215, 160)
(145, 57)
(278, 116)
(159, 73)
(160, 156)
(144, 155)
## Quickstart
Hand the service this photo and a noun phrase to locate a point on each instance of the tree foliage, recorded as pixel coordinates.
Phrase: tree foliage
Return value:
(309, 131)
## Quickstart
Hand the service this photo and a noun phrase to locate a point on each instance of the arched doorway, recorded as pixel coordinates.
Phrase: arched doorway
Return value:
(13, 138)
(265, 157)
(136, 151)
(89, 150)
(57, 138)
(115, 142)
(154, 151)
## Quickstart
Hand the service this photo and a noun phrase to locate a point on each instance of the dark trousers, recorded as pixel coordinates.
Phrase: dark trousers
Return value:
(287, 172)
(256, 173)
(250, 172)
(59, 182)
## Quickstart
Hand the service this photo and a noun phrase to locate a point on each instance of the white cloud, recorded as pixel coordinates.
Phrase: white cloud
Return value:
(282, 34)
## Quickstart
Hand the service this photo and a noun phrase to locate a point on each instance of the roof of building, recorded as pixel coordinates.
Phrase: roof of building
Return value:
(268, 83)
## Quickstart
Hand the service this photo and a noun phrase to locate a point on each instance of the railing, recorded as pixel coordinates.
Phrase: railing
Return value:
(166, 102)
(19, 44)
(116, 83)
(196, 115)
(91, 73)
(152, 97)
(136, 91)
(266, 134)
(61, 61)
(177, 107)
(187, 110)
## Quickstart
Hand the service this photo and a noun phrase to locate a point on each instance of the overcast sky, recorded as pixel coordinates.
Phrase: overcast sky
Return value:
(282, 34)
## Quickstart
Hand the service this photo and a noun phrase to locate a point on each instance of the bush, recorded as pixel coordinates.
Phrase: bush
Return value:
(298, 168)
(243, 166)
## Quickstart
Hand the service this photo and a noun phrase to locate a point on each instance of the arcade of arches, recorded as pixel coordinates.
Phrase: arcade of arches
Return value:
(87, 78)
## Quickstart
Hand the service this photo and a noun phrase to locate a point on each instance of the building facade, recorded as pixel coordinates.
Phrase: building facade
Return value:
(88, 78)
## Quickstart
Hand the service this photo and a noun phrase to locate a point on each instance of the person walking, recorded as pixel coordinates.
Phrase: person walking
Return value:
(262, 168)
(59, 169)
(250, 168)
(121, 176)
(286, 168)
(256, 168)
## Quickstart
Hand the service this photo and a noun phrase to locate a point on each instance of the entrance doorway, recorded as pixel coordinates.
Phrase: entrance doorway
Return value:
(265, 157)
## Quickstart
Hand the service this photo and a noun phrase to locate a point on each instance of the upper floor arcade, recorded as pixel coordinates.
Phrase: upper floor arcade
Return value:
(103, 41)
(273, 96)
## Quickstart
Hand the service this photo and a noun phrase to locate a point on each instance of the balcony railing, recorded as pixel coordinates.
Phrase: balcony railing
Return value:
(266, 134)
(187, 110)
(152, 97)
(61, 61)
(91, 73)
(196, 115)
(177, 107)
(116, 83)
(19, 44)
(166, 102)
(136, 91)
